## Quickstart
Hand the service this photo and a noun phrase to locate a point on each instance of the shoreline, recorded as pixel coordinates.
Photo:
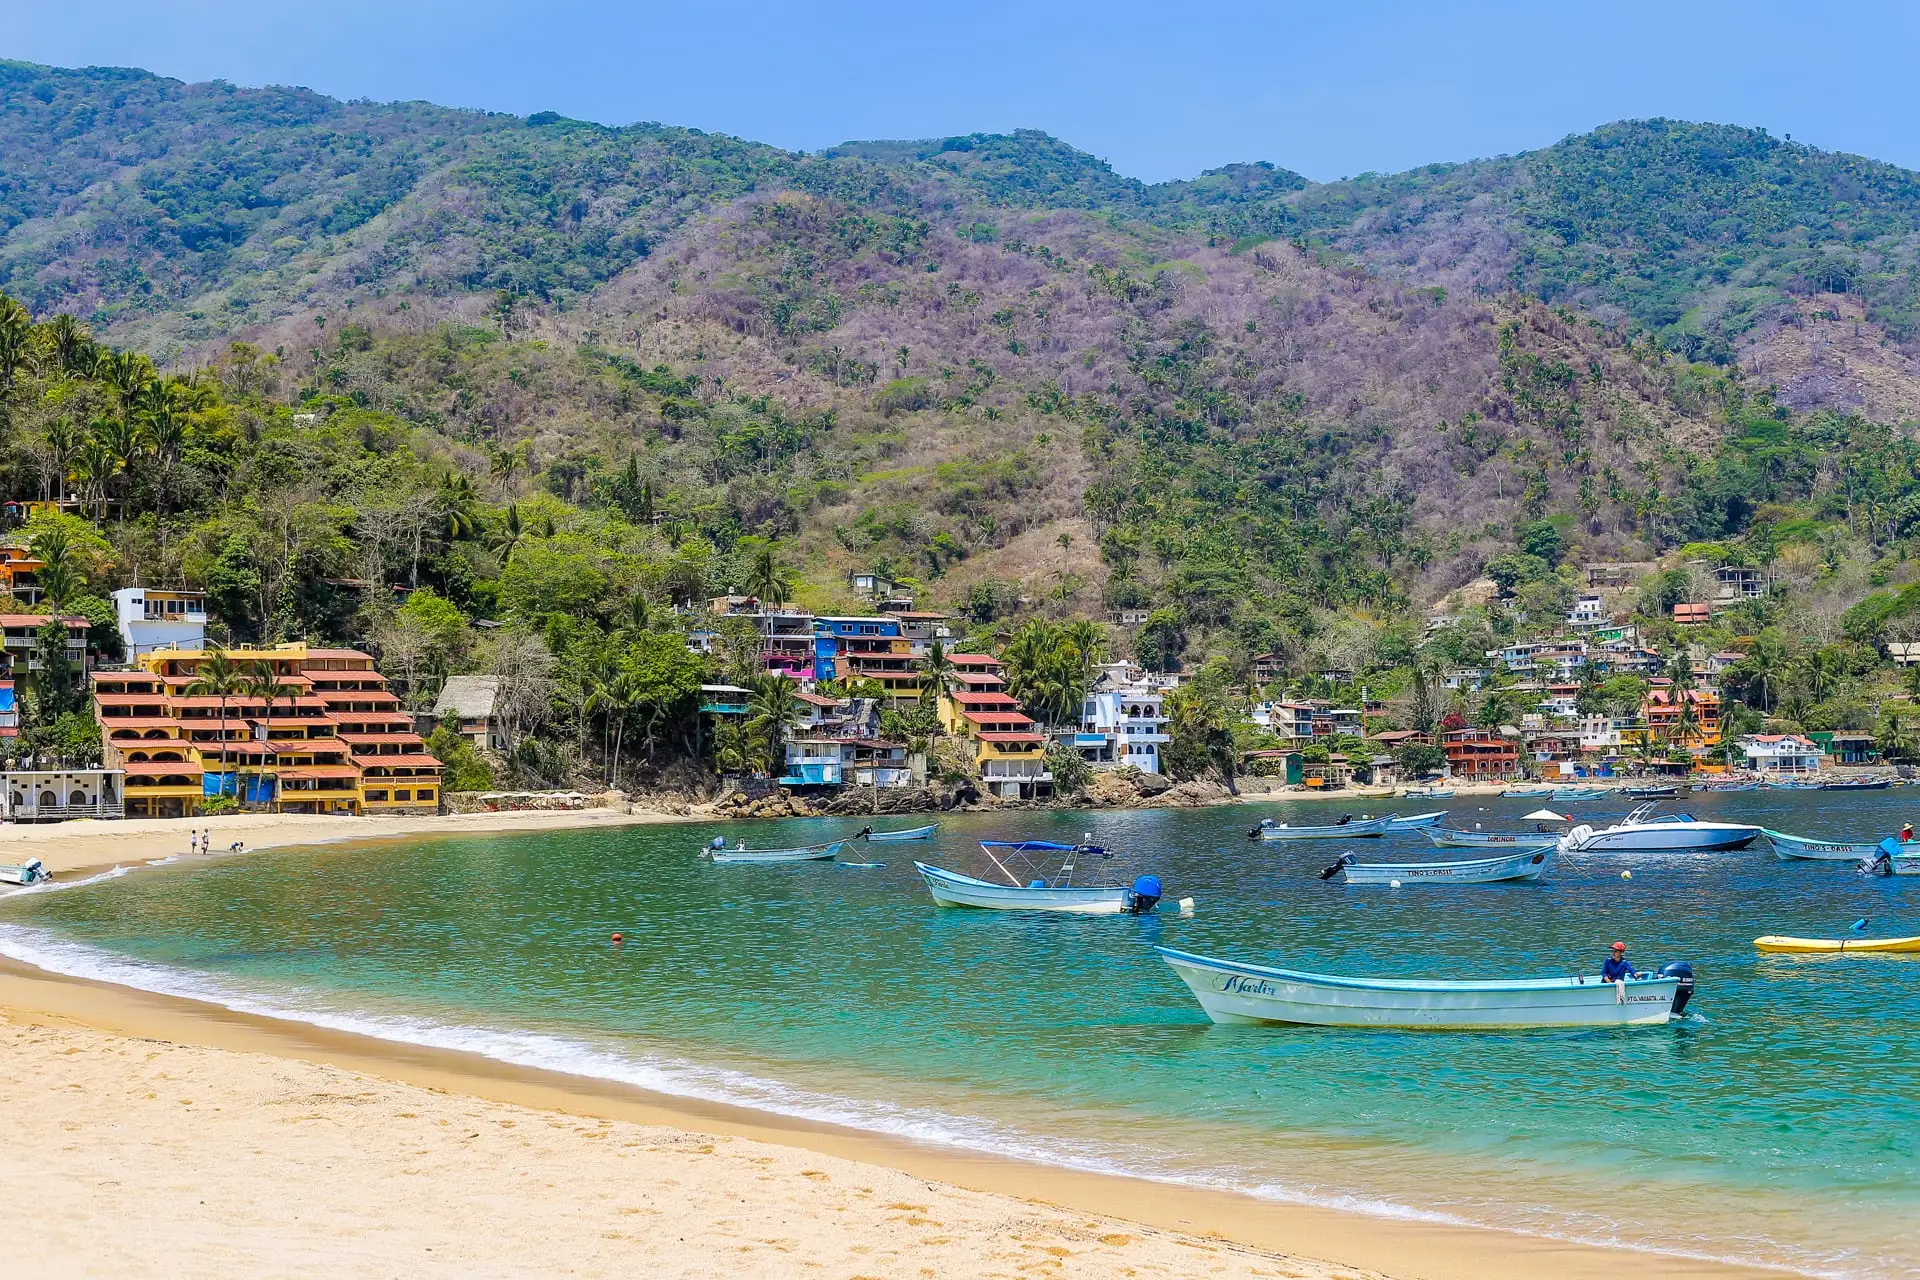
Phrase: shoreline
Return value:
(1332, 1241)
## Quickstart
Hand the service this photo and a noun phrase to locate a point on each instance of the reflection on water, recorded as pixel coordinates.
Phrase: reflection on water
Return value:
(1779, 1127)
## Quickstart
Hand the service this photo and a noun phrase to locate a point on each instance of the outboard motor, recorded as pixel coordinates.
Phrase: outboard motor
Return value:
(717, 843)
(1144, 895)
(1684, 992)
(1338, 867)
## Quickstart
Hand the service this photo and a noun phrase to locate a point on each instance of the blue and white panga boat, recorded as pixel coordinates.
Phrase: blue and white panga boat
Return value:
(1361, 830)
(894, 837)
(1564, 794)
(1232, 992)
(1416, 822)
(719, 852)
(1527, 864)
(1042, 893)
(1790, 847)
(1448, 838)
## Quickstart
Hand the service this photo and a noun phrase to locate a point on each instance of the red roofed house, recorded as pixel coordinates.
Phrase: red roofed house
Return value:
(1009, 749)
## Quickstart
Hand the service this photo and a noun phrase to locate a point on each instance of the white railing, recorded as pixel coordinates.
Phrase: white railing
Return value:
(61, 812)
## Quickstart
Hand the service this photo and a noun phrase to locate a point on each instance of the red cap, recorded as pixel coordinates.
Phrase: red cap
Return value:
(1618, 946)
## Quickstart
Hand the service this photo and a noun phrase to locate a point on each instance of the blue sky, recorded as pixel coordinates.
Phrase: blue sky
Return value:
(1159, 90)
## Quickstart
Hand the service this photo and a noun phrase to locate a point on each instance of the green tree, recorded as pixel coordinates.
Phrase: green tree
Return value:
(772, 710)
(263, 681)
(767, 580)
(463, 768)
(937, 676)
(56, 691)
(1072, 775)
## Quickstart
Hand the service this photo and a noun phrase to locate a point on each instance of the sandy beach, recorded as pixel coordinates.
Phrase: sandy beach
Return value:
(152, 1136)
(89, 845)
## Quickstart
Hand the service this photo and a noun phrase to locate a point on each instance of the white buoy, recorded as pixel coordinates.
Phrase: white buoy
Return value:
(1186, 906)
(1393, 884)
(1626, 875)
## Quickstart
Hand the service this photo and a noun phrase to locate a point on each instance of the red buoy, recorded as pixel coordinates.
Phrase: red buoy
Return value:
(616, 938)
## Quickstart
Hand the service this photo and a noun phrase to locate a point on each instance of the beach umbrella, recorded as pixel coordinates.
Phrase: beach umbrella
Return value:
(1546, 815)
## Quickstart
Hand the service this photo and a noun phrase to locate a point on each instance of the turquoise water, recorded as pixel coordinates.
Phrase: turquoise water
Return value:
(1780, 1127)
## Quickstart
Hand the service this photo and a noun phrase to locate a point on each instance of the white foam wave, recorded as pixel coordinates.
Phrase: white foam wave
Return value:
(686, 1079)
(54, 886)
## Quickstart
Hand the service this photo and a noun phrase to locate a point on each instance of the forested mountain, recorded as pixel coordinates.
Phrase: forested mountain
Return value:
(627, 367)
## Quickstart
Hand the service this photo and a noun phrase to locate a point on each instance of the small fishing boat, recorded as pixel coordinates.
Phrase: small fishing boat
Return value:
(1774, 942)
(1777, 784)
(740, 853)
(1378, 795)
(1361, 830)
(1526, 864)
(1858, 784)
(1429, 793)
(1564, 794)
(896, 837)
(1787, 848)
(1416, 822)
(1643, 832)
(1232, 992)
(32, 871)
(1042, 893)
(1650, 793)
(1527, 793)
(1448, 838)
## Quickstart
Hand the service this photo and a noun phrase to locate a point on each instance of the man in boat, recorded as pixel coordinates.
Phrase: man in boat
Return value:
(1906, 832)
(1616, 968)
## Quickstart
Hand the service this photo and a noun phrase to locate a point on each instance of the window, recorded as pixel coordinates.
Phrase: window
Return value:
(425, 794)
(403, 795)
(376, 795)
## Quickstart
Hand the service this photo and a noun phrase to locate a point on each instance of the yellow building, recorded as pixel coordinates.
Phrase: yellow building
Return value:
(1009, 751)
(336, 741)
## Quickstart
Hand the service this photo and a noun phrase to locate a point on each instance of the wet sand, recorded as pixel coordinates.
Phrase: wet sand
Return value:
(158, 1136)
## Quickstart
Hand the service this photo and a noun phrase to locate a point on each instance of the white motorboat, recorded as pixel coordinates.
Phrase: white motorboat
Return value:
(810, 853)
(1788, 848)
(1642, 831)
(1527, 864)
(895, 837)
(1042, 893)
(1232, 992)
(1447, 838)
(1361, 830)
(1416, 822)
(32, 871)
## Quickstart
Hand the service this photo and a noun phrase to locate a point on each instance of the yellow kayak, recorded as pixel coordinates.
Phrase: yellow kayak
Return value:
(1772, 943)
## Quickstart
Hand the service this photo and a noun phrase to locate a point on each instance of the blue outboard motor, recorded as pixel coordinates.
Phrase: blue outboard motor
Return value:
(718, 842)
(1684, 992)
(1144, 895)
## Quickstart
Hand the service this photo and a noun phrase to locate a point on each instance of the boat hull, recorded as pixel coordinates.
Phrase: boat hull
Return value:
(816, 853)
(1812, 946)
(1791, 848)
(1661, 837)
(1528, 864)
(1565, 794)
(1232, 992)
(1351, 831)
(1417, 822)
(1448, 839)
(950, 889)
(899, 837)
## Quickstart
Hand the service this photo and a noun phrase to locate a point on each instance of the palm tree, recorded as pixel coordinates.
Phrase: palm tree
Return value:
(615, 699)
(58, 577)
(262, 681)
(460, 521)
(219, 676)
(773, 708)
(768, 580)
(126, 445)
(73, 346)
(936, 672)
(62, 439)
(503, 540)
(92, 468)
(1897, 738)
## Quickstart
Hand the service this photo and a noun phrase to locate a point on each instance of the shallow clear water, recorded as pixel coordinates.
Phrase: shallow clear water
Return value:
(1778, 1127)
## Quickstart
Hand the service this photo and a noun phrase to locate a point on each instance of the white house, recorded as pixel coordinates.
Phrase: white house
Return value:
(1781, 753)
(1122, 726)
(28, 794)
(1588, 611)
(1284, 719)
(152, 618)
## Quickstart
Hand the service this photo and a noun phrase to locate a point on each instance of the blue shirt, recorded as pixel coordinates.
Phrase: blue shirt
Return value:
(1614, 970)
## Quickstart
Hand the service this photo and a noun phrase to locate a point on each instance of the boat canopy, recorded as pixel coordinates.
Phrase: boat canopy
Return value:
(1040, 846)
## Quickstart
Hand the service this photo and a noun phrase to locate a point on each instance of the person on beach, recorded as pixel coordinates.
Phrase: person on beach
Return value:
(1616, 968)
